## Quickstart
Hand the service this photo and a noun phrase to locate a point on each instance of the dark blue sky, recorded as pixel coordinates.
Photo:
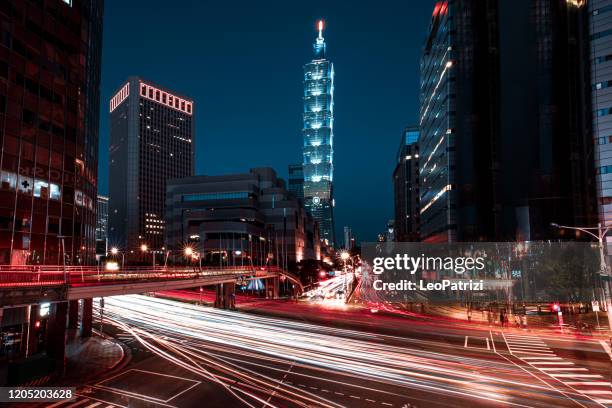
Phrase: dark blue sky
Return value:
(242, 61)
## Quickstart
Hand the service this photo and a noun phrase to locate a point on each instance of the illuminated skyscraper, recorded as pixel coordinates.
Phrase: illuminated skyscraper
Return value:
(151, 141)
(318, 138)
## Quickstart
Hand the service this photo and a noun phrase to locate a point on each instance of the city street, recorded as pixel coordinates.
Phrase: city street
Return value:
(185, 353)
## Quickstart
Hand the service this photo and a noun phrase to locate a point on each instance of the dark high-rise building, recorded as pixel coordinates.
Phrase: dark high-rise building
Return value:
(406, 187)
(151, 141)
(505, 145)
(318, 135)
(102, 225)
(50, 52)
(600, 30)
(296, 180)
(250, 216)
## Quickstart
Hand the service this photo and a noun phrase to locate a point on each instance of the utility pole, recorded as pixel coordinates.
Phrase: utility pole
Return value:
(604, 269)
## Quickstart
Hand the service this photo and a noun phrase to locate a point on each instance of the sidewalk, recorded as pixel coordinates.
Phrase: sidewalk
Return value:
(91, 357)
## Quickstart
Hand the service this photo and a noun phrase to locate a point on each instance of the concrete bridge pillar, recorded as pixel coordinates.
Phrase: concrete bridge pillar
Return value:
(225, 296)
(272, 287)
(73, 318)
(87, 318)
(30, 332)
(56, 331)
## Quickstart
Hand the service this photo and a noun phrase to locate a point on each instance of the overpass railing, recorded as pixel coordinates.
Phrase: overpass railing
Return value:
(49, 275)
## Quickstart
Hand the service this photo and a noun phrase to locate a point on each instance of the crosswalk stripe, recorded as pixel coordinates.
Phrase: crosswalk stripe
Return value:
(552, 363)
(539, 349)
(521, 350)
(538, 345)
(523, 340)
(76, 404)
(541, 358)
(531, 352)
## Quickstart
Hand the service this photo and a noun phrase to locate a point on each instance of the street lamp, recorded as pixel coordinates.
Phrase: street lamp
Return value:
(604, 270)
(114, 251)
(144, 249)
(344, 255)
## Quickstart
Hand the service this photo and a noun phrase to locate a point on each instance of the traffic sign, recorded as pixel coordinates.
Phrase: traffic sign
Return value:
(595, 305)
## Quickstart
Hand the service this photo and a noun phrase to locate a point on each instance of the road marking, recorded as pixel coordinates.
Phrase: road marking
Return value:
(76, 404)
(541, 358)
(386, 403)
(466, 340)
(606, 347)
(354, 396)
(553, 363)
(95, 404)
(370, 400)
(338, 393)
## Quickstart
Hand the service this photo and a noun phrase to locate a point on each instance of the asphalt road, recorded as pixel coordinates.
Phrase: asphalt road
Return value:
(283, 354)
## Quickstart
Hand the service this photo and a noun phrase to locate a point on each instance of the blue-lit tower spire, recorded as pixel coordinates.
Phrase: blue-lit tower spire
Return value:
(318, 134)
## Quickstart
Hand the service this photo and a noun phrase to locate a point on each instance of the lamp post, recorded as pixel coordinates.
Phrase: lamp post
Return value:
(115, 251)
(144, 249)
(344, 255)
(604, 269)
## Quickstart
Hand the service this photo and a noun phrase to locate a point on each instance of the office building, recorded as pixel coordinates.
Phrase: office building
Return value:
(406, 187)
(249, 217)
(296, 180)
(505, 145)
(102, 226)
(600, 31)
(49, 116)
(348, 238)
(151, 141)
(318, 132)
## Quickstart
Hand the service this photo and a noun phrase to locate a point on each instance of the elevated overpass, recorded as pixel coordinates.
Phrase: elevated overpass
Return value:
(25, 285)
(66, 294)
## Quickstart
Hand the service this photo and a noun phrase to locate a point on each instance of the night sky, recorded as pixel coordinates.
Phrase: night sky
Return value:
(242, 62)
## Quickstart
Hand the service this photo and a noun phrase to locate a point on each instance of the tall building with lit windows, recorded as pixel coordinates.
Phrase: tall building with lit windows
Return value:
(505, 147)
(406, 187)
(50, 55)
(600, 31)
(151, 141)
(318, 132)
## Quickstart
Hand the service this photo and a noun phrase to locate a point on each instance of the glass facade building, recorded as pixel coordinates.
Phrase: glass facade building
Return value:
(50, 54)
(102, 226)
(505, 146)
(296, 180)
(151, 141)
(600, 13)
(318, 133)
(406, 187)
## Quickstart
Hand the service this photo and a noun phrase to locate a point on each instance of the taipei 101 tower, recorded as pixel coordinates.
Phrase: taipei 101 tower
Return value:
(318, 131)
